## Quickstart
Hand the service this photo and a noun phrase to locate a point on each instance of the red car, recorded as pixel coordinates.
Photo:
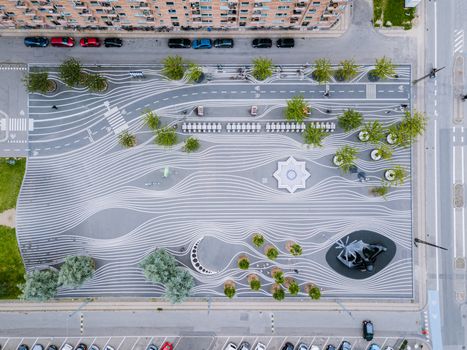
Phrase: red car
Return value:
(90, 42)
(167, 346)
(62, 41)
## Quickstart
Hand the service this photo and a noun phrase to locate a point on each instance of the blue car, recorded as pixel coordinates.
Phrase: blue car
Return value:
(201, 44)
(36, 41)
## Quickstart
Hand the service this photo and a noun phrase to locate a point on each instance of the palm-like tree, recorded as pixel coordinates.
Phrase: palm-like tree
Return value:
(293, 288)
(151, 120)
(194, 73)
(272, 253)
(258, 240)
(314, 136)
(323, 71)
(166, 137)
(262, 68)
(191, 144)
(296, 249)
(374, 131)
(396, 175)
(347, 70)
(229, 289)
(411, 126)
(126, 139)
(297, 109)
(174, 67)
(243, 263)
(384, 151)
(345, 157)
(314, 292)
(350, 119)
(384, 68)
(277, 292)
(278, 275)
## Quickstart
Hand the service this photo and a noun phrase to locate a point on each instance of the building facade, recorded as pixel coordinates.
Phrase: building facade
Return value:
(171, 15)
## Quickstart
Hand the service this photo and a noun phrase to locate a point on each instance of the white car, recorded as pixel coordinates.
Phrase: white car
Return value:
(254, 110)
(260, 346)
(314, 347)
(67, 347)
(231, 346)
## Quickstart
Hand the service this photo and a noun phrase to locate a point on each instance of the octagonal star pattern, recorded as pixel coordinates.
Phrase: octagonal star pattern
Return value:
(291, 174)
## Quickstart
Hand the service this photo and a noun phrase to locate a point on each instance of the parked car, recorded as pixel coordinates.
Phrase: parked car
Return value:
(113, 42)
(179, 43)
(302, 346)
(244, 346)
(89, 42)
(287, 346)
(67, 347)
(36, 41)
(345, 345)
(201, 44)
(374, 347)
(54, 347)
(167, 346)
(224, 43)
(285, 42)
(23, 347)
(261, 43)
(94, 347)
(62, 41)
(231, 346)
(314, 347)
(152, 347)
(81, 346)
(108, 347)
(260, 346)
(38, 347)
(368, 330)
(330, 347)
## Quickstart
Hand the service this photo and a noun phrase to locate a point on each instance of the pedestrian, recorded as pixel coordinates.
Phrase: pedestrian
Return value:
(295, 270)
(54, 107)
(326, 94)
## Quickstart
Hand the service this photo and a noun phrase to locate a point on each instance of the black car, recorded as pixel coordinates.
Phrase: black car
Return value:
(36, 41)
(285, 42)
(23, 347)
(179, 43)
(224, 43)
(345, 345)
(330, 347)
(262, 43)
(368, 330)
(244, 346)
(113, 42)
(288, 346)
(52, 347)
(81, 346)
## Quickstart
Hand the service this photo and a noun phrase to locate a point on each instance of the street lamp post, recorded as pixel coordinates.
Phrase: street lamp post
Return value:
(416, 240)
(431, 75)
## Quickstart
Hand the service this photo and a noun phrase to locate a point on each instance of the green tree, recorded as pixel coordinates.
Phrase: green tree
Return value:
(350, 119)
(178, 288)
(194, 73)
(229, 291)
(294, 288)
(374, 130)
(70, 72)
(258, 240)
(243, 263)
(255, 284)
(191, 144)
(151, 120)
(380, 191)
(262, 68)
(278, 294)
(159, 266)
(314, 293)
(174, 67)
(346, 156)
(272, 253)
(385, 151)
(384, 68)
(95, 82)
(297, 109)
(347, 70)
(38, 82)
(314, 136)
(296, 249)
(411, 126)
(75, 270)
(127, 140)
(400, 174)
(39, 285)
(323, 71)
(166, 137)
(278, 276)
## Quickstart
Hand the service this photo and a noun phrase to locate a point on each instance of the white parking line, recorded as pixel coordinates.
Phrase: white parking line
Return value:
(118, 347)
(103, 348)
(327, 341)
(312, 341)
(282, 344)
(225, 343)
(150, 340)
(137, 340)
(268, 342)
(93, 341)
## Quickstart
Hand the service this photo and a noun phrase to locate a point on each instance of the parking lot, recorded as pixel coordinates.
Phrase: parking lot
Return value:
(198, 342)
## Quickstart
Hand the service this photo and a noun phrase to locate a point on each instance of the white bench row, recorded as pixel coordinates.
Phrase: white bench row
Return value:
(201, 127)
(326, 126)
(243, 127)
(285, 127)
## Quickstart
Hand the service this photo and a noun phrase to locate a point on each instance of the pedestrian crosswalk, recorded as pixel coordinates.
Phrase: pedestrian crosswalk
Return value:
(458, 41)
(16, 124)
(116, 121)
(371, 91)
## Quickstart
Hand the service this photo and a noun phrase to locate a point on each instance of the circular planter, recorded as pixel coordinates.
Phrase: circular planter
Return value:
(52, 86)
(375, 154)
(391, 139)
(389, 175)
(363, 136)
(337, 161)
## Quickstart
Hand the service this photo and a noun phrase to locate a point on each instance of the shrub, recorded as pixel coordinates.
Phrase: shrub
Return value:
(166, 137)
(374, 130)
(174, 67)
(243, 263)
(380, 191)
(151, 120)
(38, 82)
(262, 68)
(385, 151)
(255, 284)
(322, 72)
(229, 291)
(127, 140)
(278, 294)
(314, 136)
(159, 266)
(178, 288)
(272, 253)
(39, 285)
(76, 270)
(347, 156)
(258, 240)
(70, 72)
(400, 174)
(314, 293)
(194, 73)
(350, 120)
(296, 249)
(95, 82)
(294, 288)
(278, 276)
(347, 70)
(297, 109)
(191, 144)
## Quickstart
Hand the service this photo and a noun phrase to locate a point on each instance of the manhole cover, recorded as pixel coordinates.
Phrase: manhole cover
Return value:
(458, 196)
(460, 296)
(460, 263)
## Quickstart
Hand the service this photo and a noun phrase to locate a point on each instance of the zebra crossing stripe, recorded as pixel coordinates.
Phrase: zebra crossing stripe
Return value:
(371, 91)
(116, 121)
(17, 124)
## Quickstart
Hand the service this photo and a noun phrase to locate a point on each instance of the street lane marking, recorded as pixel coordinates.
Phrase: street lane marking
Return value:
(436, 200)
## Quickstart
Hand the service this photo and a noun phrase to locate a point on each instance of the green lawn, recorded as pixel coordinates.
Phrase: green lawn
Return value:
(393, 11)
(11, 264)
(11, 177)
